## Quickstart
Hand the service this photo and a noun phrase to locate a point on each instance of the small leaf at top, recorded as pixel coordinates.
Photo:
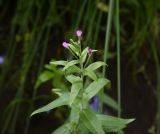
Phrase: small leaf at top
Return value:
(84, 54)
(74, 48)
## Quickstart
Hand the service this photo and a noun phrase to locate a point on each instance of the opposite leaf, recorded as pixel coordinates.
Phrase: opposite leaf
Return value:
(95, 87)
(113, 124)
(45, 76)
(90, 120)
(73, 69)
(73, 78)
(110, 102)
(90, 74)
(71, 63)
(62, 100)
(95, 65)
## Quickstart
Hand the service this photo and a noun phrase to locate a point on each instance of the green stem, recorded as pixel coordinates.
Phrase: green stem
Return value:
(107, 39)
(157, 63)
(118, 59)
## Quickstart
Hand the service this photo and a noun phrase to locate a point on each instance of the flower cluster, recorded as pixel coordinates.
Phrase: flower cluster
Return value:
(79, 35)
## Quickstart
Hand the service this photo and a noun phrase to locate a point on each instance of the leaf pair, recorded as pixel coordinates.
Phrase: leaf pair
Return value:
(99, 124)
(67, 65)
(89, 71)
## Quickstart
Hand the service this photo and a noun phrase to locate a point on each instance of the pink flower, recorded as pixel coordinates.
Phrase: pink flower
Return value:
(79, 33)
(90, 51)
(65, 44)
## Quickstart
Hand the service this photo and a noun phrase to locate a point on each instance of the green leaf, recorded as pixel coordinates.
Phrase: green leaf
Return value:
(59, 91)
(74, 115)
(113, 124)
(95, 65)
(90, 74)
(45, 76)
(75, 48)
(73, 78)
(62, 100)
(76, 86)
(95, 87)
(73, 69)
(84, 54)
(64, 129)
(110, 102)
(61, 62)
(91, 121)
(71, 63)
(82, 129)
(50, 67)
(77, 104)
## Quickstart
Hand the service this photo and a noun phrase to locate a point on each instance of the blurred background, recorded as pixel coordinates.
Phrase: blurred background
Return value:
(31, 34)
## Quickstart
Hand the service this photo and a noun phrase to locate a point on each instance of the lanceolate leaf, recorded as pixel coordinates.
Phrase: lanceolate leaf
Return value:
(59, 91)
(73, 69)
(71, 63)
(95, 87)
(84, 54)
(110, 102)
(62, 100)
(95, 65)
(90, 74)
(45, 76)
(76, 86)
(75, 48)
(61, 62)
(90, 120)
(113, 124)
(64, 129)
(73, 78)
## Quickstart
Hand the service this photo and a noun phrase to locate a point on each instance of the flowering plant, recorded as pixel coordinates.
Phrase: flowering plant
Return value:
(82, 119)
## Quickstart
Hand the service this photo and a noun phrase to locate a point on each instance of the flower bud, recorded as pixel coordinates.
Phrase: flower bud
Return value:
(65, 44)
(79, 33)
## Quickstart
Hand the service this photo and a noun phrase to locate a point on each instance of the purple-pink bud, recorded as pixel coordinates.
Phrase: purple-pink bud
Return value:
(89, 51)
(65, 44)
(79, 33)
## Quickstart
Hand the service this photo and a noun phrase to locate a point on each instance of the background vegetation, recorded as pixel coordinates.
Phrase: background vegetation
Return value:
(31, 34)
